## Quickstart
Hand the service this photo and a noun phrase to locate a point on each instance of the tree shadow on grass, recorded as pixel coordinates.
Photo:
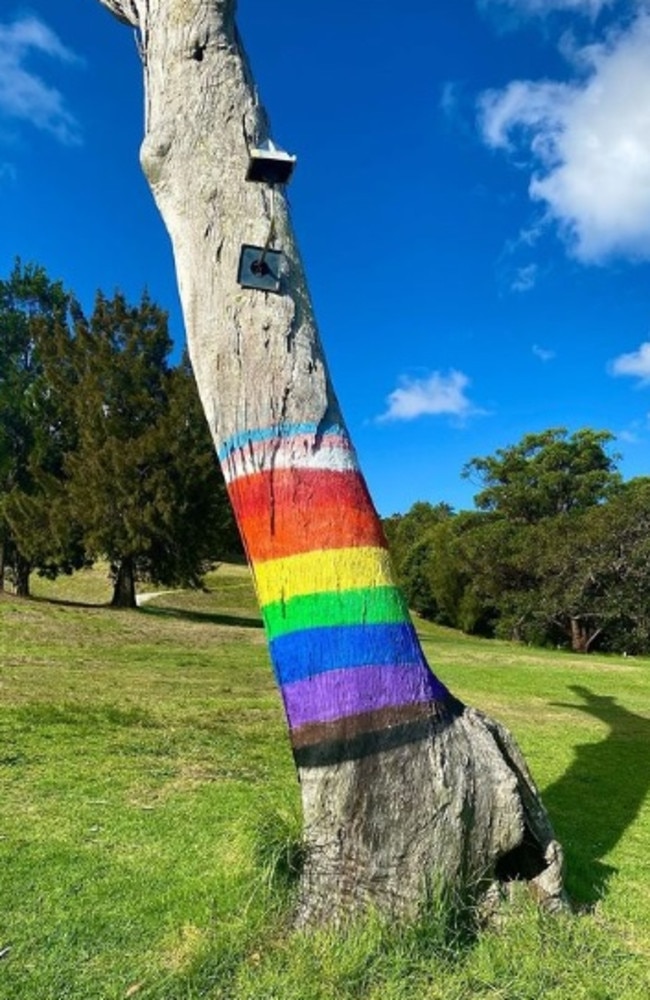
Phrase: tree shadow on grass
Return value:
(68, 602)
(600, 795)
(202, 617)
(199, 617)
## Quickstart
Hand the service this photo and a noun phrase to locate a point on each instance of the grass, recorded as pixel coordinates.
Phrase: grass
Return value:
(149, 815)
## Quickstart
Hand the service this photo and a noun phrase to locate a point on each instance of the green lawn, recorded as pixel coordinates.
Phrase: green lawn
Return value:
(148, 810)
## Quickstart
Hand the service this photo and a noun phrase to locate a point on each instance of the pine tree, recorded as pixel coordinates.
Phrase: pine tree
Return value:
(34, 429)
(144, 474)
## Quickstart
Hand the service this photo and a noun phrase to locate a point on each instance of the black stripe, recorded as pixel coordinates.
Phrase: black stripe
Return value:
(332, 752)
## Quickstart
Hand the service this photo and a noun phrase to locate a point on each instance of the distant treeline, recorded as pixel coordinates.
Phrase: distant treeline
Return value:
(557, 552)
(104, 448)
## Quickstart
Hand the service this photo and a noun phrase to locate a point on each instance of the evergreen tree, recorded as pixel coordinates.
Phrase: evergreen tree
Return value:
(193, 519)
(144, 473)
(35, 430)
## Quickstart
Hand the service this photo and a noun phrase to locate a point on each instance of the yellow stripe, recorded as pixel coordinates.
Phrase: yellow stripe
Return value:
(323, 570)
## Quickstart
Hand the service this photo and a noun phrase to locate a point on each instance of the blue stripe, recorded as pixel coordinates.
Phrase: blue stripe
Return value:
(299, 655)
(243, 438)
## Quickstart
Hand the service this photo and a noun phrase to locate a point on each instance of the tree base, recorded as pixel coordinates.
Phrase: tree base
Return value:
(457, 809)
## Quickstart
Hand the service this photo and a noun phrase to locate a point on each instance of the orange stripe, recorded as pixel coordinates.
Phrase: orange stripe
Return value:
(289, 532)
(298, 488)
(287, 511)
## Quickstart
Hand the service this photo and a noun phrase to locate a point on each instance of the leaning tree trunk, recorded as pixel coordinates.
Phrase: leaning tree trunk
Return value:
(400, 783)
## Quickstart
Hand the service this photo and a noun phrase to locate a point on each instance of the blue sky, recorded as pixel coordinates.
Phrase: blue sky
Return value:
(472, 200)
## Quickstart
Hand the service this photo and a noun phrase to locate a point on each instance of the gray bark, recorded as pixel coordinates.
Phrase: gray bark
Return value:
(455, 802)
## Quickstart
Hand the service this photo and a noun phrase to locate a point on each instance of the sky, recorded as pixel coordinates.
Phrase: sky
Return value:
(472, 201)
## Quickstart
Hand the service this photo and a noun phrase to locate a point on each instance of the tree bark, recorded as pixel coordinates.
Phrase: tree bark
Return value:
(401, 784)
(21, 571)
(581, 635)
(124, 585)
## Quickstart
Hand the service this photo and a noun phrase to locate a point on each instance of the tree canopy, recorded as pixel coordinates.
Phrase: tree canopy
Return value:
(546, 473)
(34, 430)
(104, 448)
(555, 555)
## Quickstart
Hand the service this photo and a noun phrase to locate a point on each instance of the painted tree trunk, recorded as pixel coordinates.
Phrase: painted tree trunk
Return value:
(401, 784)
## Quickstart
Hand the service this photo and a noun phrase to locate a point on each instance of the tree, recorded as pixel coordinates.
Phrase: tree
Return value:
(196, 521)
(34, 429)
(546, 474)
(143, 482)
(602, 592)
(400, 783)
(106, 447)
(409, 541)
(626, 523)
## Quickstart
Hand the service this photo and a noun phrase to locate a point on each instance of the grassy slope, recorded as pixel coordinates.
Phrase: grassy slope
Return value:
(147, 797)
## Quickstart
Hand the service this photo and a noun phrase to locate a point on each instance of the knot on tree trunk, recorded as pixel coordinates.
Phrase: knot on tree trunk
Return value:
(154, 151)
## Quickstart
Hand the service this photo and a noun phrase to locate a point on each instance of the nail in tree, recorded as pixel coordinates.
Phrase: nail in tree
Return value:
(401, 784)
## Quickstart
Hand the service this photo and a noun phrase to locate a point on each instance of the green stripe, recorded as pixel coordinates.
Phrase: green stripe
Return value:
(368, 606)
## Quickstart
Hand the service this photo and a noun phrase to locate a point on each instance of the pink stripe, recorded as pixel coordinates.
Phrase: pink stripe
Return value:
(334, 451)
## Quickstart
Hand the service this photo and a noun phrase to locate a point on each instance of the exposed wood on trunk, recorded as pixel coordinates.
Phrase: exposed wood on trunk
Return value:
(401, 784)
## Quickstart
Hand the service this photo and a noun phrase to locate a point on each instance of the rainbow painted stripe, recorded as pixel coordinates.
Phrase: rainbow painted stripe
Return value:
(344, 650)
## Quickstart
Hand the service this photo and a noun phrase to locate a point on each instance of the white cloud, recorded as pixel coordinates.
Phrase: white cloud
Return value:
(525, 278)
(24, 96)
(636, 431)
(543, 353)
(587, 144)
(449, 98)
(635, 364)
(629, 435)
(435, 395)
(591, 8)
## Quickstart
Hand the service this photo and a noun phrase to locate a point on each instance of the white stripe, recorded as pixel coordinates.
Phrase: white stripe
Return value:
(334, 455)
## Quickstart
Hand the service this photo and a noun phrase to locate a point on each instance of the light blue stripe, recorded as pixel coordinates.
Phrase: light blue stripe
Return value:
(243, 438)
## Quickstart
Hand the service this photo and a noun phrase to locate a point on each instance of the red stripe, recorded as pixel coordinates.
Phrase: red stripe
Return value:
(288, 511)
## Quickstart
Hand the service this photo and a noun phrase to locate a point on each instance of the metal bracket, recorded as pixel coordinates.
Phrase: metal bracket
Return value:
(268, 164)
(260, 268)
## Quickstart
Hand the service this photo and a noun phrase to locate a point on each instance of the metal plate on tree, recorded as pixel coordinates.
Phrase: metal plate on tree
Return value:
(260, 268)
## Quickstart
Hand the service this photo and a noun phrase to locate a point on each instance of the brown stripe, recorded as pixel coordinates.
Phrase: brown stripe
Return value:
(351, 726)
(332, 752)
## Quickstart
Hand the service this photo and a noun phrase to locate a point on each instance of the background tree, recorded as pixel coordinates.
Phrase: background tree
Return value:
(575, 578)
(409, 539)
(143, 482)
(400, 783)
(617, 547)
(195, 523)
(35, 431)
(545, 474)
(534, 559)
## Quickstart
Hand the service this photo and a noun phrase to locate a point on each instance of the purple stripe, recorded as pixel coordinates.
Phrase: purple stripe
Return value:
(341, 693)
